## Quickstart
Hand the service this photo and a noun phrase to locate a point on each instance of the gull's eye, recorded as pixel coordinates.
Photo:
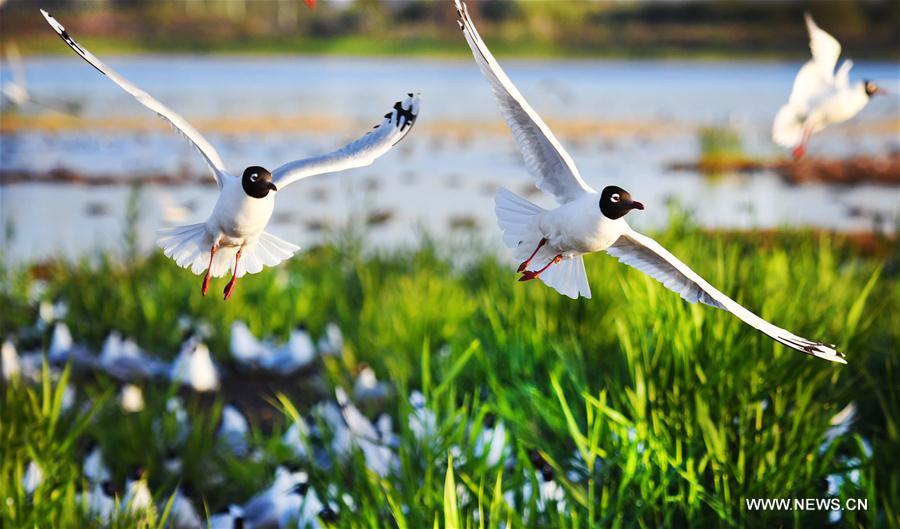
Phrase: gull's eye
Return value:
(254, 177)
(615, 198)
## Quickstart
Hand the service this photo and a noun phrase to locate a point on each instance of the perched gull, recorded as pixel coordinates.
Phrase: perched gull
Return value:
(94, 469)
(232, 238)
(367, 387)
(124, 360)
(183, 514)
(280, 503)
(297, 353)
(9, 361)
(332, 341)
(137, 494)
(233, 431)
(194, 367)
(131, 398)
(245, 348)
(587, 221)
(820, 96)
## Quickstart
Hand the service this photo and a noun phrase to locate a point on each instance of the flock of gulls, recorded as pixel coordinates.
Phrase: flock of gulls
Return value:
(549, 244)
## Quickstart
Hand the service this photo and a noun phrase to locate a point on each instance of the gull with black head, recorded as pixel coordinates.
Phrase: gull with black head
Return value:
(233, 238)
(550, 243)
(820, 96)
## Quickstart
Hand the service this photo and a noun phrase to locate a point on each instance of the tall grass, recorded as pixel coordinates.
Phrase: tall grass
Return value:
(651, 412)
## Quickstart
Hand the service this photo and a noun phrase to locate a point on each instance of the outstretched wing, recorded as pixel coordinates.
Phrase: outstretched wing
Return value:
(550, 165)
(15, 62)
(396, 125)
(178, 122)
(648, 256)
(825, 48)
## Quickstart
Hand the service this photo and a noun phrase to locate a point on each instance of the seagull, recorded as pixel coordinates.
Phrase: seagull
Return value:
(123, 359)
(367, 436)
(94, 469)
(422, 421)
(332, 341)
(246, 349)
(280, 503)
(15, 90)
(299, 352)
(9, 361)
(32, 478)
(233, 431)
(367, 387)
(232, 518)
(182, 513)
(131, 398)
(820, 97)
(587, 221)
(137, 494)
(100, 500)
(233, 237)
(491, 443)
(193, 367)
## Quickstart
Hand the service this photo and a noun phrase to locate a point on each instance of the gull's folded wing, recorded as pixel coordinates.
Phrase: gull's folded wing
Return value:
(551, 166)
(396, 125)
(178, 122)
(648, 256)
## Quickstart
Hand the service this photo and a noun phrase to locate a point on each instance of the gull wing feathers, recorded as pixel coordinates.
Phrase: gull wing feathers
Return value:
(825, 48)
(842, 77)
(396, 125)
(15, 62)
(550, 165)
(178, 122)
(648, 256)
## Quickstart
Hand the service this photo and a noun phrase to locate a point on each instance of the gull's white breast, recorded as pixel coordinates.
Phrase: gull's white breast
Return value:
(838, 107)
(579, 227)
(238, 217)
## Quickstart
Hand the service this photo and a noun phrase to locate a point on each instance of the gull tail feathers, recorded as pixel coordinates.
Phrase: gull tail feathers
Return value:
(269, 250)
(568, 277)
(517, 218)
(787, 129)
(189, 247)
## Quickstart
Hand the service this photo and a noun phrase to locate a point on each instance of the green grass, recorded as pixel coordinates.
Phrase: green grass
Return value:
(679, 411)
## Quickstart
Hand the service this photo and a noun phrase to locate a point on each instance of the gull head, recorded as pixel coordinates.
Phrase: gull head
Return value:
(872, 88)
(257, 182)
(615, 202)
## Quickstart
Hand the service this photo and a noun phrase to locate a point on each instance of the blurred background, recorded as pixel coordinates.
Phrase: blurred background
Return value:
(672, 100)
(631, 409)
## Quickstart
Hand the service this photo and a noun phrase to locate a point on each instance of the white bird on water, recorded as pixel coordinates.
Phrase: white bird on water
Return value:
(233, 237)
(587, 221)
(820, 97)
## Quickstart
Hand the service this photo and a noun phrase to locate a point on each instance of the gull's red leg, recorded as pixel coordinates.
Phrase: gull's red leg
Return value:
(527, 262)
(205, 287)
(229, 288)
(528, 275)
(800, 150)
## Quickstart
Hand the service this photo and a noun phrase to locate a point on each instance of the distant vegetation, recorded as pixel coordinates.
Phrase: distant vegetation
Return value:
(427, 27)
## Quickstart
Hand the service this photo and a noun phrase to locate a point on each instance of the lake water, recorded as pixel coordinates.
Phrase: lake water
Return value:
(623, 123)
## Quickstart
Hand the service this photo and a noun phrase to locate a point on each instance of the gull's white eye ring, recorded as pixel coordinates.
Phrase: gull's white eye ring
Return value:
(614, 198)
(254, 177)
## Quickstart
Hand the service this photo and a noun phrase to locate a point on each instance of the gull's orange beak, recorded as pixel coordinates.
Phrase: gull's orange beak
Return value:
(636, 205)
